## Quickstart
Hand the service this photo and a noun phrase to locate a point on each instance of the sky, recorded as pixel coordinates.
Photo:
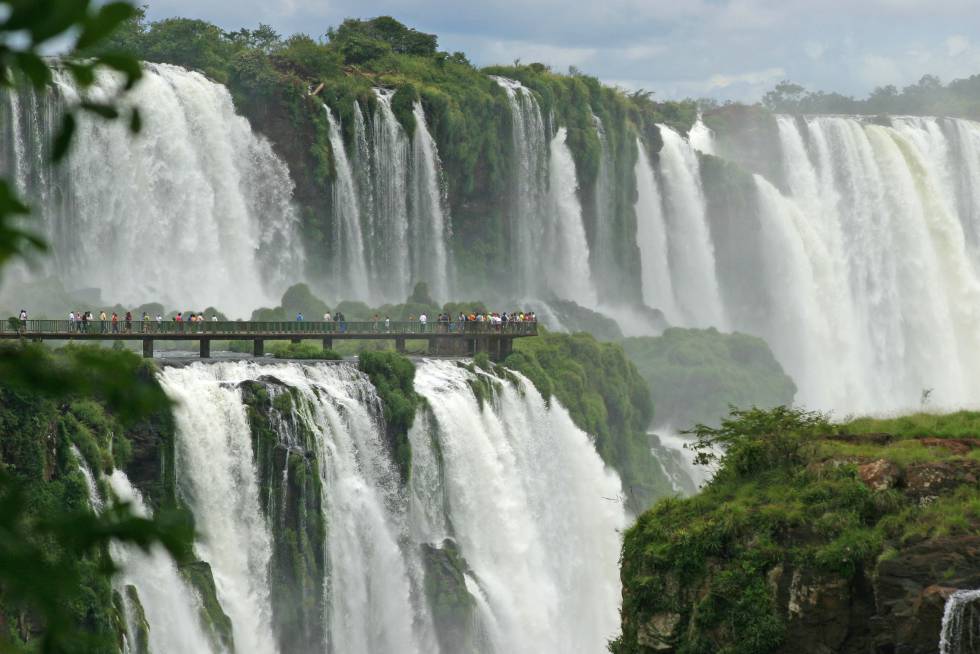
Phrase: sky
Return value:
(723, 49)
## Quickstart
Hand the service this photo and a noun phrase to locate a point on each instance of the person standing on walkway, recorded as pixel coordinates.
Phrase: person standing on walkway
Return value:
(71, 321)
(299, 316)
(23, 320)
(115, 323)
(103, 327)
(129, 322)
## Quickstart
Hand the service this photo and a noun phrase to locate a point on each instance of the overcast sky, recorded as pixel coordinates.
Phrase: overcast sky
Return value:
(735, 49)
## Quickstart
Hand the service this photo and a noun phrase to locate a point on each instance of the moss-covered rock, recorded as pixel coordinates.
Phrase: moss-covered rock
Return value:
(393, 376)
(290, 494)
(453, 608)
(214, 620)
(799, 545)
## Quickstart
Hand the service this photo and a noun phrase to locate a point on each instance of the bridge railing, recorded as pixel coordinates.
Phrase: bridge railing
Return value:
(285, 329)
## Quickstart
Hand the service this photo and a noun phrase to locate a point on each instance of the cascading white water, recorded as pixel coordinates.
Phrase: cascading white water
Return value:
(217, 478)
(866, 270)
(430, 228)
(898, 287)
(960, 632)
(692, 259)
(349, 265)
(533, 510)
(651, 237)
(675, 457)
(195, 210)
(170, 606)
(530, 151)
(604, 249)
(564, 258)
(701, 138)
(389, 256)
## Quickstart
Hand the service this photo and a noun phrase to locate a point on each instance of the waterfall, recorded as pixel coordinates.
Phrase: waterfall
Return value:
(167, 601)
(701, 138)
(692, 259)
(604, 249)
(530, 170)
(960, 632)
(672, 452)
(389, 254)
(170, 605)
(856, 257)
(430, 228)
(651, 237)
(217, 479)
(533, 512)
(564, 258)
(350, 268)
(506, 492)
(195, 210)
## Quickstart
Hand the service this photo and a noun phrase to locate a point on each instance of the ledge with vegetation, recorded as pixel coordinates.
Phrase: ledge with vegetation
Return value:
(812, 537)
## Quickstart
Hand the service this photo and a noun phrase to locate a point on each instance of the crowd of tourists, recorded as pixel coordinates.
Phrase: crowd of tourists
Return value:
(83, 322)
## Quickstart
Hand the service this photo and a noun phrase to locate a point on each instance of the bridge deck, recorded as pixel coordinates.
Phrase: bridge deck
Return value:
(458, 337)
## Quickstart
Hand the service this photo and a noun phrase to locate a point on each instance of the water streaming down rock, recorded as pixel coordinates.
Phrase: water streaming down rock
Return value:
(651, 237)
(430, 228)
(564, 257)
(349, 265)
(197, 209)
(960, 633)
(505, 539)
(603, 246)
(389, 257)
(530, 179)
(164, 598)
(692, 259)
(217, 478)
(701, 137)
(856, 259)
(532, 509)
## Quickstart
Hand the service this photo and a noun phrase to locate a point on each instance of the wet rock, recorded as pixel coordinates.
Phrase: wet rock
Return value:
(926, 481)
(658, 633)
(958, 446)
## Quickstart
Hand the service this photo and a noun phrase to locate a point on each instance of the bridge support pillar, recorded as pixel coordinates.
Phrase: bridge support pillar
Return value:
(258, 347)
(328, 343)
(147, 348)
(400, 345)
(506, 348)
(205, 348)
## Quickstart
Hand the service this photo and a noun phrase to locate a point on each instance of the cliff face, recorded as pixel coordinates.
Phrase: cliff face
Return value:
(851, 546)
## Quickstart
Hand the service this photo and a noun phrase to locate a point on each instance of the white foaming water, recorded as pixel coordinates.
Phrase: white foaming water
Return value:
(692, 257)
(350, 268)
(960, 632)
(676, 459)
(216, 476)
(875, 211)
(195, 210)
(389, 257)
(534, 512)
(530, 182)
(651, 237)
(701, 138)
(430, 228)
(865, 281)
(565, 257)
(603, 248)
(170, 606)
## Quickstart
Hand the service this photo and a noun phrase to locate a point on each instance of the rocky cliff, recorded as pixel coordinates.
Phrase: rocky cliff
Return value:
(812, 539)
